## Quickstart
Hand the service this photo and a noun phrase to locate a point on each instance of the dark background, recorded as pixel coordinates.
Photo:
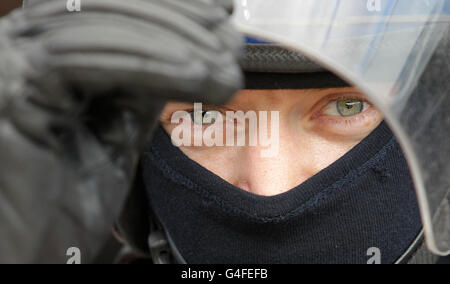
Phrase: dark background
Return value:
(7, 5)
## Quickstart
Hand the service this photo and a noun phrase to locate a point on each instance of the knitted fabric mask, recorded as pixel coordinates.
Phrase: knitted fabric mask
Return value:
(364, 200)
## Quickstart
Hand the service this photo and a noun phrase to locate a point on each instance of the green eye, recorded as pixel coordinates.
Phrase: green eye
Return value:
(206, 117)
(349, 107)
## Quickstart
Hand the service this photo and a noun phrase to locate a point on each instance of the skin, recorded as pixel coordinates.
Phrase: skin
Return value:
(313, 135)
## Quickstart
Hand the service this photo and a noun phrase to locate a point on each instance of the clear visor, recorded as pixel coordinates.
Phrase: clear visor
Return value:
(383, 47)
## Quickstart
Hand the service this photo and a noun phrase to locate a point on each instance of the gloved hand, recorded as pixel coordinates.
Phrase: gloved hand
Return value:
(79, 95)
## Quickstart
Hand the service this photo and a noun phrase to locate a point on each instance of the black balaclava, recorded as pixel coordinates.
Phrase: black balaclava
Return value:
(365, 199)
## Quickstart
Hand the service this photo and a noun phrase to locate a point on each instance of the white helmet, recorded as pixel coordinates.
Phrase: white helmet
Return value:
(397, 52)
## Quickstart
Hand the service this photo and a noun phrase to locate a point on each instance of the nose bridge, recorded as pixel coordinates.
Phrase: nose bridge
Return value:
(258, 175)
(270, 167)
(270, 176)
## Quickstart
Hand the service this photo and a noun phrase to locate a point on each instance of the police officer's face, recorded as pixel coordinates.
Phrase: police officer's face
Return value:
(316, 127)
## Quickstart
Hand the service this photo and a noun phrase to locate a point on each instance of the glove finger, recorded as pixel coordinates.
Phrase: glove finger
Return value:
(207, 13)
(38, 124)
(117, 51)
(146, 11)
(228, 5)
(231, 39)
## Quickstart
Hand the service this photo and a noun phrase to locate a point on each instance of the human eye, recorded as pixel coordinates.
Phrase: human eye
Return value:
(346, 114)
(346, 107)
(205, 118)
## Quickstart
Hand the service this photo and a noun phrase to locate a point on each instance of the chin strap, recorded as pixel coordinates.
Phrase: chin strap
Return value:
(162, 248)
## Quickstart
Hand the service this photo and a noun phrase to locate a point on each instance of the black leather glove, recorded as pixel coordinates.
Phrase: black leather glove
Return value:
(79, 95)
